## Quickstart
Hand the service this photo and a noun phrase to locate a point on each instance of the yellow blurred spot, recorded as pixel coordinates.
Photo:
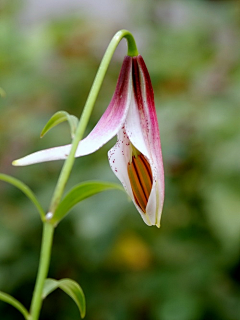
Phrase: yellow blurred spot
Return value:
(2, 93)
(131, 252)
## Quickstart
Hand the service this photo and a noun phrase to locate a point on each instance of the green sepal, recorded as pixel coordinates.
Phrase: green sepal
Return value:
(26, 190)
(60, 117)
(79, 193)
(70, 287)
(15, 303)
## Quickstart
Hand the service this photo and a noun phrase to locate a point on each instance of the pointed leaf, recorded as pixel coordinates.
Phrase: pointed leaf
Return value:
(71, 288)
(25, 189)
(15, 303)
(60, 117)
(79, 193)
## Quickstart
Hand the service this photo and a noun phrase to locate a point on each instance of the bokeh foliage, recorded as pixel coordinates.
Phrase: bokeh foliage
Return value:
(190, 268)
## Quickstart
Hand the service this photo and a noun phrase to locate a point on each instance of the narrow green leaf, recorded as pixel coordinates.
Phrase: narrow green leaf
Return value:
(15, 303)
(74, 291)
(25, 189)
(71, 288)
(60, 117)
(80, 192)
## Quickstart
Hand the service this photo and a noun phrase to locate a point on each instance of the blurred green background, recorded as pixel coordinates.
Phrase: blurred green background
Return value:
(190, 268)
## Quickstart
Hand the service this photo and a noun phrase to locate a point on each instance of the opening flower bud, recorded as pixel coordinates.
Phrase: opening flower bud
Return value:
(140, 176)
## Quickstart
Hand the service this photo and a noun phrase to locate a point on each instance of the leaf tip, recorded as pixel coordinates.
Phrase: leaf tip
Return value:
(43, 132)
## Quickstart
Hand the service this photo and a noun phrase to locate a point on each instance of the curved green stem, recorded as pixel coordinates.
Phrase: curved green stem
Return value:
(132, 51)
(48, 230)
(132, 47)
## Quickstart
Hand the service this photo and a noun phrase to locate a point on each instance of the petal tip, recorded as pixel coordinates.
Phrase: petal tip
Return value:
(21, 162)
(15, 163)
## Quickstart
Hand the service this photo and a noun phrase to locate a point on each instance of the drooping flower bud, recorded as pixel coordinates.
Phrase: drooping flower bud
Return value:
(131, 115)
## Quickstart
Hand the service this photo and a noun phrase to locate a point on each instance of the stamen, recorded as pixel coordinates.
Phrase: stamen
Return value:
(140, 176)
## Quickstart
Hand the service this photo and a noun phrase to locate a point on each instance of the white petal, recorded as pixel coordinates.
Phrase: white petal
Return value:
(56, 153)
(119, 156)
(152, 205)
(134, 129)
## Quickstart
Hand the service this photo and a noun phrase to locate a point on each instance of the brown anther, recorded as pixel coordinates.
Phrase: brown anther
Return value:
(140, 176)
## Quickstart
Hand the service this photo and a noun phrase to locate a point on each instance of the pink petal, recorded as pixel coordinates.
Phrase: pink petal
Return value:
(107, 127)
(141, 129)
(114, 116)
(149, 123)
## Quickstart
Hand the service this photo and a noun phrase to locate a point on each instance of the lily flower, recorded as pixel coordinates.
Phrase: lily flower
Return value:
(136, 158)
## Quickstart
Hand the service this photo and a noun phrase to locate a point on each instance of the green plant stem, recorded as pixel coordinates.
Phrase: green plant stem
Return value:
(48, 230)
(67, 167)
(48, 225)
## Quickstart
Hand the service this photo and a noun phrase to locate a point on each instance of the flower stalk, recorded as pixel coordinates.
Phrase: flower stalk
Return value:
(46, 248)
(48, 225)
(67, 167)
